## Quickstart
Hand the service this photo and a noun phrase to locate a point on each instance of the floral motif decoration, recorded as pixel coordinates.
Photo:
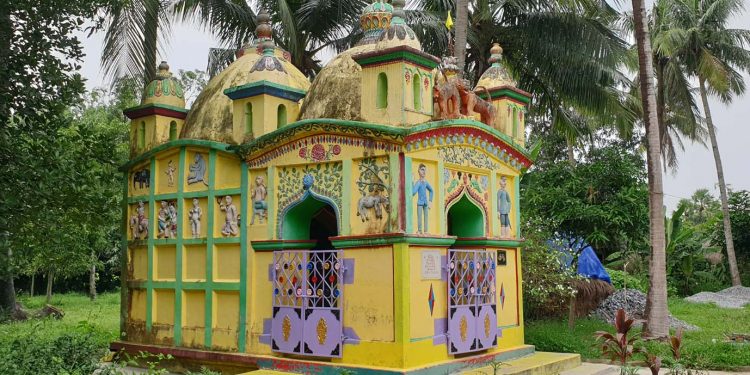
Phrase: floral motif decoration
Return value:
(426, 83)
(466, 156)
(286, 328)
(321, 179)
(321, 148)
(407, 76)
(475, 186)
(318, 152)
(322, 331)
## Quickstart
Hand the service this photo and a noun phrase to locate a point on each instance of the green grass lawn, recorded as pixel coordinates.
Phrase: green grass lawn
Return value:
(705, 348)
(101, 316)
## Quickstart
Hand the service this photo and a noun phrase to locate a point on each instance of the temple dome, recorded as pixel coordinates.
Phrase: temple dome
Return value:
(164, 89)
(211, 117)
(375, 17)
(496, 75)
(398, 33)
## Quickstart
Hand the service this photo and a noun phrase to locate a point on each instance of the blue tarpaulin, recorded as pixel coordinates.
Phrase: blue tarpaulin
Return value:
(589, 265)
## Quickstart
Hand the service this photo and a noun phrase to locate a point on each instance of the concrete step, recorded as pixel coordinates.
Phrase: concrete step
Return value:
(593, 369)
(539, 363)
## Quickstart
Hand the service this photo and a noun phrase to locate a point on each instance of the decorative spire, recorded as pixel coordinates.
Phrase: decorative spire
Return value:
(398, 32)
(375, 17)
(163, 71)
(496, 75)
(496, 54)
(398, 10)
(264, 34)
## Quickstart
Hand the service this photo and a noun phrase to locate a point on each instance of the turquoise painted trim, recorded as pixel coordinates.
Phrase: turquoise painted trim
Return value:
(242, 327)
(151, 240)
(517, 184)
(346, 198)
(164, 241)
(124, 290)
(265, 87)
(197, 285)
(282, 245)
(408, 198)
(225, 240)
(133, 200)
(207, 341)
(440, 199)
(223, 192)
(194, 241)
(395, 193)
(390, 239)
(180, 250)
(156, 105)
(494, 220)
(489, 242)
(174, 144)
(271, 214)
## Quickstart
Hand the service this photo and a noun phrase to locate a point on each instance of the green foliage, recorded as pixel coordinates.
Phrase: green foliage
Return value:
(739, 213)
(547, 288)
(623, 280)
(603, 199)
(704, 349)
(72, 345)
(618, 346)
(203, 371)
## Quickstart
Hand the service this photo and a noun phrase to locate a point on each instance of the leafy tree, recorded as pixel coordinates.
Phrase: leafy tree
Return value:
(739, 211)
(699, 39)
(39, 55)
(657, 313)
(701, 207)
(602, 199)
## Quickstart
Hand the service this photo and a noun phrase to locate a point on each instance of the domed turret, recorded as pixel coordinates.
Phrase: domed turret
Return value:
(398, 33)
(496, 75)
(375, 18)
(260, 90)
(164, 89)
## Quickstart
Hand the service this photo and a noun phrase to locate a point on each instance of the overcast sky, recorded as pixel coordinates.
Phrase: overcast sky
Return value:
(188, 49)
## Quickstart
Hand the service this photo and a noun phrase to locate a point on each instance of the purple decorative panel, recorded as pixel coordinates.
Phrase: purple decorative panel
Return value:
(307, 302)
(472, 313)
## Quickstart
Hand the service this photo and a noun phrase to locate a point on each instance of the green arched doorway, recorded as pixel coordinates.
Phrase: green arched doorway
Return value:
(465, 219)
(311, 219)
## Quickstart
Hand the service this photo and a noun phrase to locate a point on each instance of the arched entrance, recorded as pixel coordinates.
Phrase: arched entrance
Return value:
(313, 218)
(465, 219)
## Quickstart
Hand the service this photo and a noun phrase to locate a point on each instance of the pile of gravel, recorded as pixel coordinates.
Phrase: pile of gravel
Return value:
(634, 303)
(735, 297)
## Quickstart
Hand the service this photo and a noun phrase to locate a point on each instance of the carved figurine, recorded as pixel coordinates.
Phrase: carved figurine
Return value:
(170, 173)
(446, 94)
(197, 171)
(260, 207)
(195, 215)
(471, 103)
(231, 225)
(139, 223)
(503, 208)
(167, 220)
(142, 178)
(420, 189)
(376, 201)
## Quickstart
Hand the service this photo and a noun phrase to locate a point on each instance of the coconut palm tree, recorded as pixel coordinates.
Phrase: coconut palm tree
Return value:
(714, 54)
(657, 312)
(462, 29)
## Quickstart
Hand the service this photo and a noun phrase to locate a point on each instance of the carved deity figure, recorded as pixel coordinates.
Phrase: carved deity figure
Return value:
(195, 215)
(260, 207)
(197, 171)
(420, 189)
(503, 208)
(231, 227)
(167, 220)
(139, 223)
(170, 173)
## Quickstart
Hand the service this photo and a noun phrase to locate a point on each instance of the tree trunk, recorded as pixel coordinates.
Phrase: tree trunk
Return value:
(7, 287)
(571, 153)
(150, 40)
(462, 29)
(92, 277)
(33, 284)
(722, 189)
(657, 312)
(50, 278)
(660, 106)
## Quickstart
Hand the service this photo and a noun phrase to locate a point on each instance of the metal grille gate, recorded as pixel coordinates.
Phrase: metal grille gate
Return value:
(307, 302)
(472, 309)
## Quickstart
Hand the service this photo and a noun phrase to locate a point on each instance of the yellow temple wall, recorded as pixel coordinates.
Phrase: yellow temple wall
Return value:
(265, 110)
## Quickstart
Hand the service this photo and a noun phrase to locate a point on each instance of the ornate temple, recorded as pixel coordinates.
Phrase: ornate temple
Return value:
(366, 221)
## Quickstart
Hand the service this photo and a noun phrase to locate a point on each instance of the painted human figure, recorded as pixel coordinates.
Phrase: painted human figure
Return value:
(165, 220)
(260, 207)
(170, 173)
(173, 219)
(230, 226)
(503, 208)
(420, 189)
(197, 171)
(195, 215)
(139, 223)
